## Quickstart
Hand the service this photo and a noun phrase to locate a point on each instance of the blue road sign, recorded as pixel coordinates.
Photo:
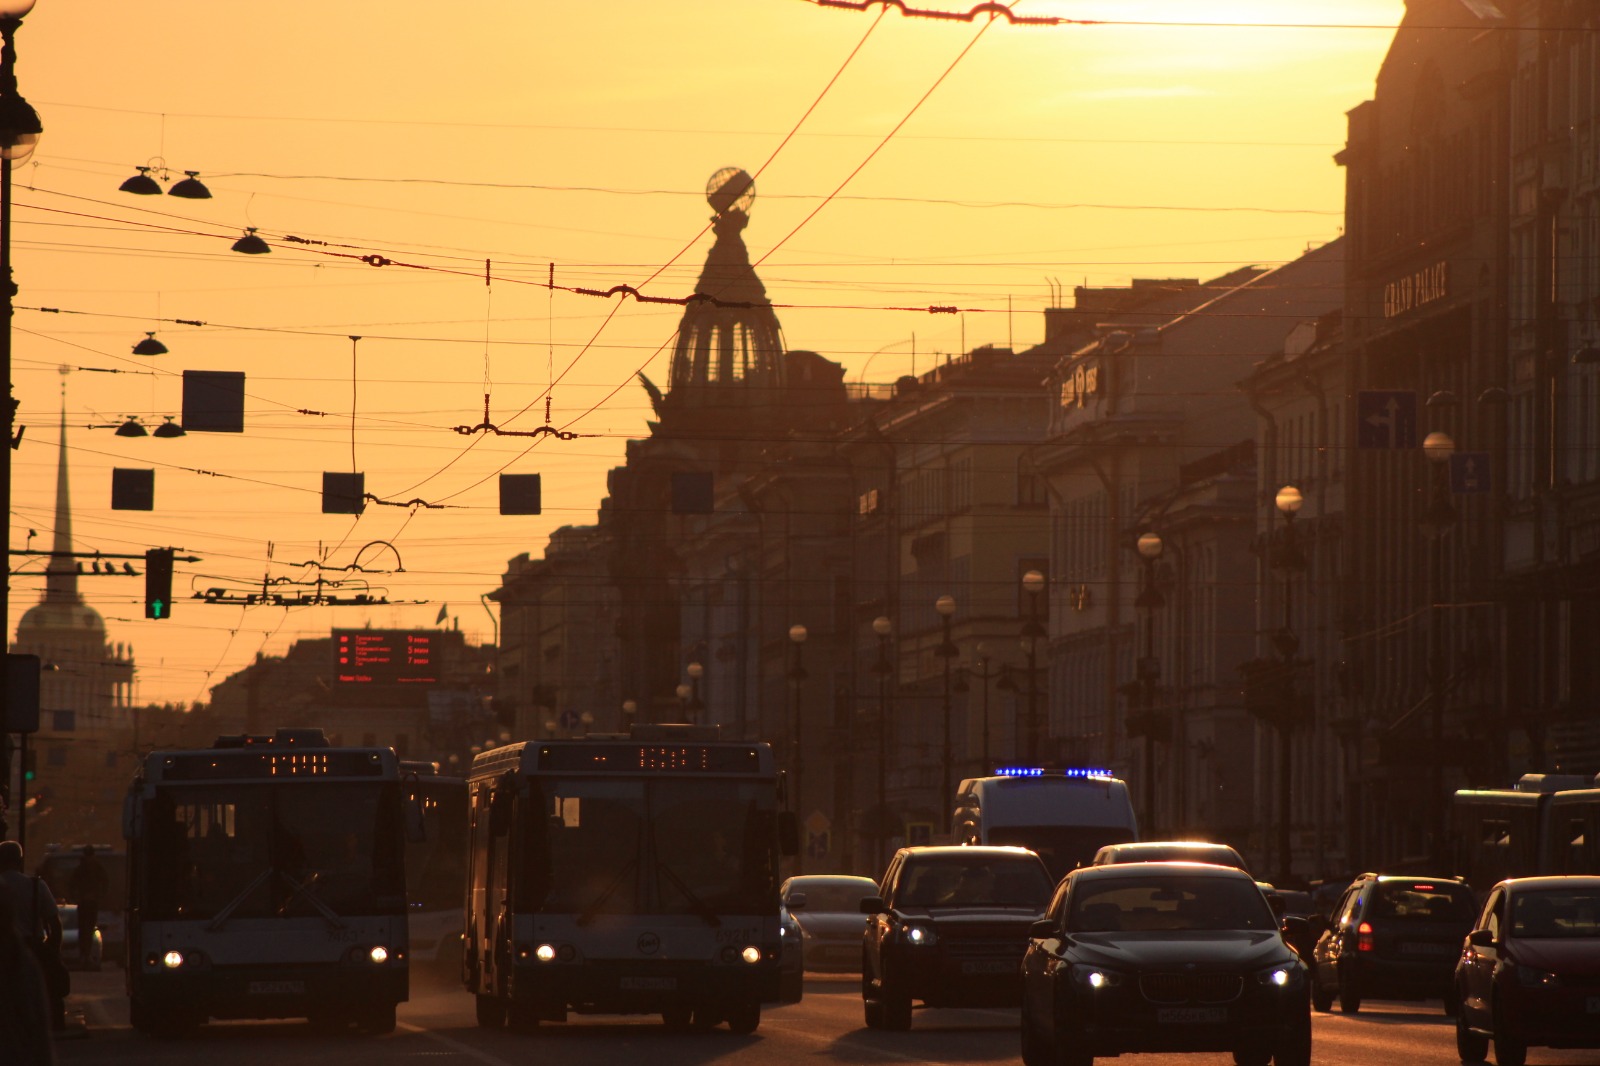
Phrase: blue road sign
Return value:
(1386, 419)
(1469, 472)
(569, 719)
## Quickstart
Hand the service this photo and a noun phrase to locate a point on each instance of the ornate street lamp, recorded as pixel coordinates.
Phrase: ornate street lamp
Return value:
(946, 606)
(1437, 520)
(1287, 644)
(1150, 547)
(984, 674)
(797, 673)
(1033, 585)
(884, 668)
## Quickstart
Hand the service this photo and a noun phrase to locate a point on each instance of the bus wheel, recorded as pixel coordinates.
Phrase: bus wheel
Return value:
(744, 1018)
(377, 1018)
(491, 1012)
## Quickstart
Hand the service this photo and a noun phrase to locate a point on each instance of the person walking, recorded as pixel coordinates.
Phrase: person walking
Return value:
(37, 924)
(88, 885)
(25, 1003)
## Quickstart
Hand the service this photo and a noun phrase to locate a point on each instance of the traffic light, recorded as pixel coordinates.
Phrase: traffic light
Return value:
(30, 765)
(158, 583)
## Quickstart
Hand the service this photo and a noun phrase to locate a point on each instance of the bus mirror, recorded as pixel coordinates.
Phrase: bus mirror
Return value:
(788, 833)
(132, 824)
(416, 823)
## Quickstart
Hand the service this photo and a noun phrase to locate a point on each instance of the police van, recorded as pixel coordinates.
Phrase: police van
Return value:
(1065, 815)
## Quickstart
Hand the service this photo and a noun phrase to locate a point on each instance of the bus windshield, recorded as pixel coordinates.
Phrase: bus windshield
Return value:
(436, 865)
(298, 849)
(660, 846)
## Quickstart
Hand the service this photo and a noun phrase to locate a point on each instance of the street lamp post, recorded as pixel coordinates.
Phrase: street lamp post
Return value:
(1290, 560)
(682, 692)
(19, 133)
(696, 671)
(984, 674)
(629, 709)
(1436, 522)
(1033, 585)
(946, 606)
(1150, 547)
(884, 668)
(797, 637)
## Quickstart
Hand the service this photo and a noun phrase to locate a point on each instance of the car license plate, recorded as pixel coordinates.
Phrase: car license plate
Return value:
(1191, 1015)
(983, 966)
(276, 988)
(1591, 1005)
(1431, 951)
(649, 984)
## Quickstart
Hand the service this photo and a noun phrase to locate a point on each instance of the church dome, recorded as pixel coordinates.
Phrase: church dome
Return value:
(73, 617)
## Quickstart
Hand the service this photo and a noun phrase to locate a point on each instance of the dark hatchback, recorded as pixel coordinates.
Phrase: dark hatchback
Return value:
(1162, 957)
(1393, 935)
(1529, 974)
(949, 929)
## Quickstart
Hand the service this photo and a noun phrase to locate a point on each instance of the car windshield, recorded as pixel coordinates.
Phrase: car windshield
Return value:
(1168, 903)
(1424, 901)
(833, 895)
(973, 882)
(1552, 913)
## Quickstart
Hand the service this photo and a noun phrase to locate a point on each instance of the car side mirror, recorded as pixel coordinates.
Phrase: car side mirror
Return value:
(1294, 926)
(796, 901)
(871, 905)
(1481, 938)
(1043, 929)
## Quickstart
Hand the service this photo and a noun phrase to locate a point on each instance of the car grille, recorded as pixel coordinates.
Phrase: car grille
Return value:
(986, 948)
(1191, 987)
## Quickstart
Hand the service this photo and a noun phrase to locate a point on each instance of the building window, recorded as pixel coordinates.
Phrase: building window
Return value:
(64, 721)
(1030, 486)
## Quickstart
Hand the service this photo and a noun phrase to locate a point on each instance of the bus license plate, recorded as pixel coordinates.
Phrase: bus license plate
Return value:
(649, 984)
(277, 988)
(981, 966)
(1191, 1015)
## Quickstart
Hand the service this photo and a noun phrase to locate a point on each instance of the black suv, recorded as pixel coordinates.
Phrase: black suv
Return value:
(1392, 935)
(949, 929)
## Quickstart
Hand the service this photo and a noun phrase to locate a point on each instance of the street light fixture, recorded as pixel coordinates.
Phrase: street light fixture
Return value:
(629, 709)
(696, 671)
(1033, 585)
(797, 673)
(1148, 671)
(683, 692)
(884, 668)
(1436, 522)
(946, 606)
(1289, 560)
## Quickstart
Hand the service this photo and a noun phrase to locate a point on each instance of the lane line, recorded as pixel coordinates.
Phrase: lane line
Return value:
(455, 1045)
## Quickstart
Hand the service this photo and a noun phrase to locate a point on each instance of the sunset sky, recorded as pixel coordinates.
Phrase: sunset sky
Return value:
(976, 164)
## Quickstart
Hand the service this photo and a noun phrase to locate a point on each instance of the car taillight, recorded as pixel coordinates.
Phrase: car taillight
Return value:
(1364, 936)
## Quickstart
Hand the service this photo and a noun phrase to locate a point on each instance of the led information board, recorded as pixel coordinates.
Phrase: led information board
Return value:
(266, 764)
(384, 657)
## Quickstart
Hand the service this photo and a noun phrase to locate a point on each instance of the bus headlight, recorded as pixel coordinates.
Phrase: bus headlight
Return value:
(172, 960)
(545, 952)
(379, 954)
(751, 954)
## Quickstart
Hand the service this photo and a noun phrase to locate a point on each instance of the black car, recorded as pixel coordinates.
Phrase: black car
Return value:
(1162, 957)
(949, 929)
(1170, 851)
(1393, 935)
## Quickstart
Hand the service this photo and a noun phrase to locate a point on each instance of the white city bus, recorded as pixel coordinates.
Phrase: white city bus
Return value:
(266, 879)
(1065, 815)
(629, 874)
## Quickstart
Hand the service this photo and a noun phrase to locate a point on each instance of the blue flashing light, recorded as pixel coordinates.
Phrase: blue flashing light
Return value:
(1040, 771)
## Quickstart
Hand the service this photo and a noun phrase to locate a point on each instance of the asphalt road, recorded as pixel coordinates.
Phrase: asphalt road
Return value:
(437, 1029)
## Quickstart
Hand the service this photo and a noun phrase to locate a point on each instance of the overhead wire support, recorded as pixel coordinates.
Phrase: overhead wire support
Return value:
(547, 429)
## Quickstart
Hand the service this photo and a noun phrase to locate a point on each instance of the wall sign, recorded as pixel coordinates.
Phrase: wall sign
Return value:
(1417, 289)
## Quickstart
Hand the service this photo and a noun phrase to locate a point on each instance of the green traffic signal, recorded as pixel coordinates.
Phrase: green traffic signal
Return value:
(158, 583)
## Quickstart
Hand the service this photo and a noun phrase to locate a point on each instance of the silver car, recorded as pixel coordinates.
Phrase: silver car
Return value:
(831, 923)
(76, 960)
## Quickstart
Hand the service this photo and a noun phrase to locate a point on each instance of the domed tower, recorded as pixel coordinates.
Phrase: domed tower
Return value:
(729, 352)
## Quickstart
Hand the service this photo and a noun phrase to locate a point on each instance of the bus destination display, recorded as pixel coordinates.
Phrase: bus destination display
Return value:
(384, 657)
(625, 757)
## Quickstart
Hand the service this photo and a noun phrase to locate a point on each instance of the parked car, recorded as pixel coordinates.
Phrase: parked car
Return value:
(1170, 851)
(1530, 969)
(1392, 935)
(74, 958)
(828, 909)
(949, 929)
(1162, 957)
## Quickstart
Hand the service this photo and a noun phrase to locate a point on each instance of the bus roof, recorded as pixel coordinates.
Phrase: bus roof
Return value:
(617, 754)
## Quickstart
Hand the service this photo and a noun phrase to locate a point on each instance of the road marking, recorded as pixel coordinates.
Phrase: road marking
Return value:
(455, 1045)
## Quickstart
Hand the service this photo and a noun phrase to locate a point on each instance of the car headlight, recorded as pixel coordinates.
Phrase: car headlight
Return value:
(1287, 976)
(919, 936)
(1095, 978)
(1528, 977)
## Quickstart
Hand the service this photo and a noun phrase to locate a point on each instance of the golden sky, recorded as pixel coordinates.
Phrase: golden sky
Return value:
(530, 133)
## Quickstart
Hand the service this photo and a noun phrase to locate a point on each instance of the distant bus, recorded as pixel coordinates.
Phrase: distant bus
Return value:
(436, 868)
(1065, 815)
(1544, 824)
(266, 879)
(634, 875)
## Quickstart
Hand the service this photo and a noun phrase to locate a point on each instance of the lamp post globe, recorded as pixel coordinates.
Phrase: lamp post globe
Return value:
(1438, 446)
(1150, 545)
(798, 634)
(1289, 501)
